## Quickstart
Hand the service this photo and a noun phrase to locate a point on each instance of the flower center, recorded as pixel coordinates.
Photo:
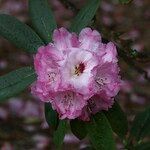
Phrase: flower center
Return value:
(79, 69)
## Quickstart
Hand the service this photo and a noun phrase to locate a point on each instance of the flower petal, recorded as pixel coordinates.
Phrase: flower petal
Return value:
(39, 89)
(90, 39)
(47, 64)
(64, 40)
(80, 82)
(111, 53)
(68, 104)
(96, 104)
(107, 79)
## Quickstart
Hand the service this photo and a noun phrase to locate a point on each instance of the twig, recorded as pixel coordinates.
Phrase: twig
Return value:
(131, 63)
(69, 5)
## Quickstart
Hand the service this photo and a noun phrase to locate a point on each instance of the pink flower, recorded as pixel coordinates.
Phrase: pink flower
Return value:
(90, 40)
(96, 104)
(78, 76)
(68, 104)
(63, 40)
(78, 71)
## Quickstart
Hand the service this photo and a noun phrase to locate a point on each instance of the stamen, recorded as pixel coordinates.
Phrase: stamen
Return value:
(67, 99)
(79, 69)
(52, 76)
(101, 81)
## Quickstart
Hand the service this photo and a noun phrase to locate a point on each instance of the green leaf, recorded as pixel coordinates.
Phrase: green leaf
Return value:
(141, 125)
(117, 120)
(125, 1)
(85, 15)
(51, 116)
(143, 146)
(100, 133)
(78, 128)
(88, 147)
(59, 134)
(15, 82)
(19, 34)
(42, 19)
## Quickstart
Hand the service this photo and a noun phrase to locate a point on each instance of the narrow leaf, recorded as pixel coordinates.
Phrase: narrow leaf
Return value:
(100, 133)
(59, 134)
(143, 146)
(117, 120)
(141, 125)
(15, 82)
(19, 34)
(78, 128)
(51, 116)
(85, 15)
(42, 19)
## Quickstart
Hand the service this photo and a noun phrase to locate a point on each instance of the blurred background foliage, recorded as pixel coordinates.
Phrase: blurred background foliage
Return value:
(22, 122)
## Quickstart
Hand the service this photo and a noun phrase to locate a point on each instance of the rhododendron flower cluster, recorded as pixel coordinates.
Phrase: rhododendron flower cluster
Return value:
(78, 75)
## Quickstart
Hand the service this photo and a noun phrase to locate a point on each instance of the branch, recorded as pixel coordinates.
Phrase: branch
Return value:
(69, 5)
(131, 63)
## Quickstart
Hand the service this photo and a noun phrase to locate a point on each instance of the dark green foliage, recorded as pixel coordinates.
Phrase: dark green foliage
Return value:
(59, 134)
(42, 19)
(15, 82)
(85, 15)
(78, 128)
(51, 116)
(19, 34)
(141, 125)
(100, 133)
(143, 146)
(118, 120)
